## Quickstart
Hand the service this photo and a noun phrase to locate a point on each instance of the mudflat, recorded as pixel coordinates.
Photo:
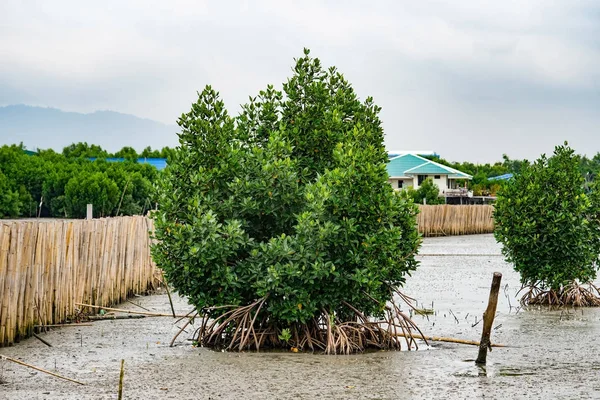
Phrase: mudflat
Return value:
(551, 354)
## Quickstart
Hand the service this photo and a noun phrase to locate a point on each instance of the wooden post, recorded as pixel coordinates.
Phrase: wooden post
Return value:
(40, 206)
(121, 379)
(90, 211)
(488, 319)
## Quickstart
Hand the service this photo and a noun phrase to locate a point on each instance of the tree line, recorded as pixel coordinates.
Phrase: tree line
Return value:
(84, 150)
(60, 185)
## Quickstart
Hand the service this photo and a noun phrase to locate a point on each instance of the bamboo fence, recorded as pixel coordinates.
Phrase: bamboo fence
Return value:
(446, 220)
(48, 266)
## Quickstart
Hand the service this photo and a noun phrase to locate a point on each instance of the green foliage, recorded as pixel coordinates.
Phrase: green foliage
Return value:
(289, 202)
(9, 200)
(149, 153)
(83, 150)
(165, 152)
(96, 189)
(428, 191)
(548, 226)
(127, 153)
(285, 335)
(513, 166)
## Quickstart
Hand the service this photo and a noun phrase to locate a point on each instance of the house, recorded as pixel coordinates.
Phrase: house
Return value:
(411, 170)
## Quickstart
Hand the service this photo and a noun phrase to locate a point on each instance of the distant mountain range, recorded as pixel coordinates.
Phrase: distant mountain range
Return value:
(43, 128)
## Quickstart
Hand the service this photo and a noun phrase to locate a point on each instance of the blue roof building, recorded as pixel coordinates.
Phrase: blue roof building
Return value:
(158, 163)
(504, 177)
(410, 170)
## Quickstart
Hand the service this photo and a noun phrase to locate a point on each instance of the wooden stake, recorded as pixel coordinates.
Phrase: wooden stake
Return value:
(488, 319)
(121, 379)
(39, 369)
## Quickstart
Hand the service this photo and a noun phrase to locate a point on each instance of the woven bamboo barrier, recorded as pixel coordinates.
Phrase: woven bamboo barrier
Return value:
(446, 220)
(48, 266)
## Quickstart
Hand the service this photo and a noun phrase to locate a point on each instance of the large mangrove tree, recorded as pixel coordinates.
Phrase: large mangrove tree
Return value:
(279, 224)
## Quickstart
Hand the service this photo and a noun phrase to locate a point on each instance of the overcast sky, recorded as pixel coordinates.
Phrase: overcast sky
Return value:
(469, 79)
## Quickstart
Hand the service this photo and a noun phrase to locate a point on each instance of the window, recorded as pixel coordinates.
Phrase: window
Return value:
(436, 177)
(421, 179)
(400, 182)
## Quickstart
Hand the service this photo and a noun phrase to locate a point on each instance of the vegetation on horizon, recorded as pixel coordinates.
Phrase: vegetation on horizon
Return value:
(50, 184)
(26, 181)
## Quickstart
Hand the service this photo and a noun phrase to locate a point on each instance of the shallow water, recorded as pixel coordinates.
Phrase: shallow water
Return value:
(552, 354)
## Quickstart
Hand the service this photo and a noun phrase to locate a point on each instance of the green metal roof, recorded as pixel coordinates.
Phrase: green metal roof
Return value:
(407, 165)
(398, 165)
(427, 168)
(460, 175)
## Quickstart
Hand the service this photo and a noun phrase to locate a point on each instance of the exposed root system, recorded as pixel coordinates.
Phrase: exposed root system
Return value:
(249, 327)
(572, 295)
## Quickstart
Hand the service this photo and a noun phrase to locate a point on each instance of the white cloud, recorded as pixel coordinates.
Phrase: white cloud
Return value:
(427, 57)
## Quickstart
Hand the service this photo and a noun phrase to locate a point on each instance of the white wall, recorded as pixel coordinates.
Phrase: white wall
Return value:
(405, 183)
(442, 182)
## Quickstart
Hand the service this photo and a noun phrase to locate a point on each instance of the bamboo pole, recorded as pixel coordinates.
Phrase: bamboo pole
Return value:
(447, 339)
(4, 262)
(150, 314)
(11, 283)
(20, 279)
(42, 340)
(3, 357)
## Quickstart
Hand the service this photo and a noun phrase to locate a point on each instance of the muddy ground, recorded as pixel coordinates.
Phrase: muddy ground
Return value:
(553, 354)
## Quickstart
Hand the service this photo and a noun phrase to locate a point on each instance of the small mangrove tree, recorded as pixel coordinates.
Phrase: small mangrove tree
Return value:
(549, 228)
